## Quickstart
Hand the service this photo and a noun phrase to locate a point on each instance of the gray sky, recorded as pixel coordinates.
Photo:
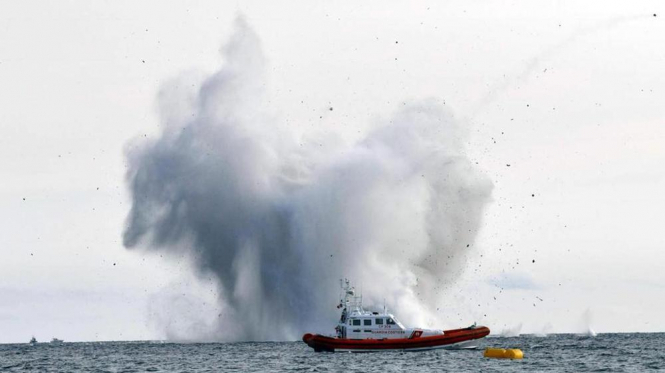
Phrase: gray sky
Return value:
(569, 95)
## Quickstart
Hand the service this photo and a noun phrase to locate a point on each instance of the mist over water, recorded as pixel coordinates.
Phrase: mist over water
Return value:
(276, 223)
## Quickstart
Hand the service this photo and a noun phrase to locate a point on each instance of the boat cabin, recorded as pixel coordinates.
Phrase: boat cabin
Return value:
(371, 325)
(357, 323)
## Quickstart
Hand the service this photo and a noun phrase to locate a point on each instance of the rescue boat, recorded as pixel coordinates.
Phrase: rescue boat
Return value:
(359, 330)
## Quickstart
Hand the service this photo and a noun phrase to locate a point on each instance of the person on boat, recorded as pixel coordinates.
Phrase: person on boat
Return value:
(343, 318)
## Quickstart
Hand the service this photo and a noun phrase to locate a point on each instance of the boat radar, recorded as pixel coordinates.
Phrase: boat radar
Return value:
(359, 330)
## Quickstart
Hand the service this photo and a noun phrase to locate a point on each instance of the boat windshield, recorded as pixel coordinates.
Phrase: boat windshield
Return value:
(393, 321)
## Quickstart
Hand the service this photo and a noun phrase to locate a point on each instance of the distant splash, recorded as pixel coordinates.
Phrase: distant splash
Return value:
(585, 323)
(516, 331)
(591, 333)
(275, 221)
(545, 331)
(513, 331)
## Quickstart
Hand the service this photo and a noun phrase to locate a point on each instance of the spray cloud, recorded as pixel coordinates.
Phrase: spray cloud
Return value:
(277, 224)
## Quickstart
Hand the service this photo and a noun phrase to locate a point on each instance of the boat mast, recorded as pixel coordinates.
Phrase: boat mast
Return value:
(350, 300)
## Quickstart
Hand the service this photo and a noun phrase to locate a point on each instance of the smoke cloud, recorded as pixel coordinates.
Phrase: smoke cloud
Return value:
(276, 224)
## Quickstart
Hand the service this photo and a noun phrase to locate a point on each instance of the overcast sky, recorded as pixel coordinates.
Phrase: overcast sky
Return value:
(564, 103)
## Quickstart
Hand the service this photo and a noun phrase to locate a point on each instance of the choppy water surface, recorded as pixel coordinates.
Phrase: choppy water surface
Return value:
(555, 353)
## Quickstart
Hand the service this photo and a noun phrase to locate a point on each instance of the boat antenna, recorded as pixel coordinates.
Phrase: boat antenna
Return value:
(361, 295)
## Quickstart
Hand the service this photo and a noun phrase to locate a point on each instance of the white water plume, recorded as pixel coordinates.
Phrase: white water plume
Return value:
(585, 324)
(544, 331)
(511, 331)
(277, 224)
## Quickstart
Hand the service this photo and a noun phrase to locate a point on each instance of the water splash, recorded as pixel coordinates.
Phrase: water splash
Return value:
(585, 324)
(512, 331)
(277, 224)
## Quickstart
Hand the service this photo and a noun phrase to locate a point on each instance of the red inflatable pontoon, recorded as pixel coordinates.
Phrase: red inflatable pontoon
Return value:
(449, 338)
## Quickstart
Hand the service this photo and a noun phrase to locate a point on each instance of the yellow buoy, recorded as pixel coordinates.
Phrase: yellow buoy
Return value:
(500, 353)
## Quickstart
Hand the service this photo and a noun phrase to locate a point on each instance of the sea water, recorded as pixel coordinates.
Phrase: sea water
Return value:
(553, 353)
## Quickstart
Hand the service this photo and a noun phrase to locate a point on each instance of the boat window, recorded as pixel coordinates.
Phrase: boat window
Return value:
(355, 321)
(379, 321)
(356, 330)
(390, 322)
(367, 322)
(367, 331)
